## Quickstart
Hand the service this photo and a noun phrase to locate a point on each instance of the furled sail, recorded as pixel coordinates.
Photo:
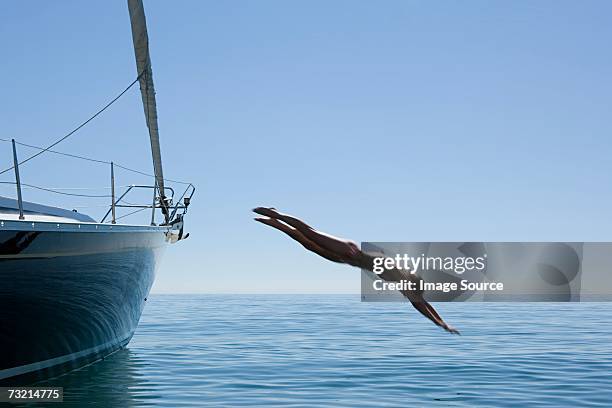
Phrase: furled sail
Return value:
(147, 90)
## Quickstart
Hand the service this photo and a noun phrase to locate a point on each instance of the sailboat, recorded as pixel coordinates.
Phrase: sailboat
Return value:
(72, 289)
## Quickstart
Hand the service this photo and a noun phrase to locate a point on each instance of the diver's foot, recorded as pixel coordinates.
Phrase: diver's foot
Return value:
(265, 220)
(266, 211)
(273, 222)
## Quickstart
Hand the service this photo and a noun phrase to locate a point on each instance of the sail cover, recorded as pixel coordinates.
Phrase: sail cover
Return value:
(147, 90)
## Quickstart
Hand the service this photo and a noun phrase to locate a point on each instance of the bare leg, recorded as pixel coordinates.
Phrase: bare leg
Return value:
(299, 237)
(326, 241)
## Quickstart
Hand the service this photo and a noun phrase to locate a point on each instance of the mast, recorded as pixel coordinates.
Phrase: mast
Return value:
(140, 38)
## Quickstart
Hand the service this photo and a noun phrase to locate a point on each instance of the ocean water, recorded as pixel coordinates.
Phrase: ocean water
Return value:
(266, 350)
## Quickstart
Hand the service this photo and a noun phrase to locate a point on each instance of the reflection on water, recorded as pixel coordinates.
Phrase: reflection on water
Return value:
(334, 350)
(117, 381)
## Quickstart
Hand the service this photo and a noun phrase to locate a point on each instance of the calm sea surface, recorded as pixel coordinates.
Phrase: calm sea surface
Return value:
(232, 350)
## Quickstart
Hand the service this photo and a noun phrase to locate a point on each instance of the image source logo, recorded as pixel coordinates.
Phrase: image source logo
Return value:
(488, 271)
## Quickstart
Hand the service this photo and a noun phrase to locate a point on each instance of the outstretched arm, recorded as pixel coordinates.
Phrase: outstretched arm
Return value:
(416, 297)
(429, 312)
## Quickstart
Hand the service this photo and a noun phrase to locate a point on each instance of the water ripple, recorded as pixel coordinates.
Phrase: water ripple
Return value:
(237, 350)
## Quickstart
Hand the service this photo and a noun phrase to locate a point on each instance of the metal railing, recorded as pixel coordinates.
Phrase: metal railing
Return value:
(173, 211)
(181, 204)
(154, 205)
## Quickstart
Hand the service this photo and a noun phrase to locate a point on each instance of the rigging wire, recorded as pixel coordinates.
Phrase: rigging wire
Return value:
(131, 213)
(150, 175)
(72, 132)
(76, 156)
(69, 188)
(60, 192)
(77, 128)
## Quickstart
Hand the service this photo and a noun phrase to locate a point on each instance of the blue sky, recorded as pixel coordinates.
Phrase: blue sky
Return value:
(377, 121)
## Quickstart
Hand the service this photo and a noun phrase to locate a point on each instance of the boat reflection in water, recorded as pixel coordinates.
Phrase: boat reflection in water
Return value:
(118, 381)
